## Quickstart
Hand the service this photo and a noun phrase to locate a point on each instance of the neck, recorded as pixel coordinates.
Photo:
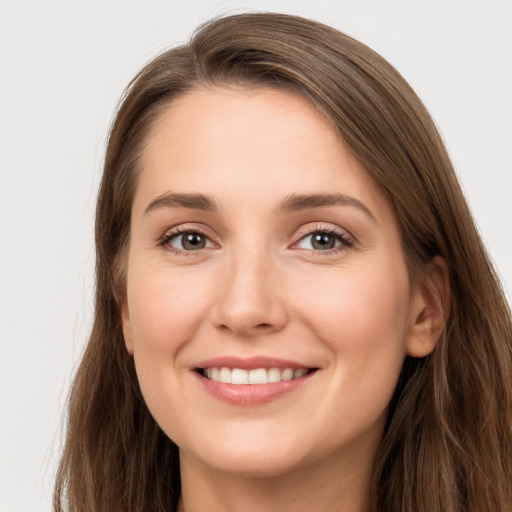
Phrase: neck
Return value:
(328, 486)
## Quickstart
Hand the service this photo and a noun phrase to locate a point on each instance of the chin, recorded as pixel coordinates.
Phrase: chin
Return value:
(247, 466)
(257, 457)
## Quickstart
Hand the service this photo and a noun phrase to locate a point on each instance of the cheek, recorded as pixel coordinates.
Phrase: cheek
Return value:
(361, 315)
(165, 307)
(166, 311)
(366, 298)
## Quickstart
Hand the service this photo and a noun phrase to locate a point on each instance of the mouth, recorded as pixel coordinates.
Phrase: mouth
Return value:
(262, 375)
(252, 381)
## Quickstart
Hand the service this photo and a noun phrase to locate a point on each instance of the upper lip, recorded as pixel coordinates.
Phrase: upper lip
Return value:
(250, 363)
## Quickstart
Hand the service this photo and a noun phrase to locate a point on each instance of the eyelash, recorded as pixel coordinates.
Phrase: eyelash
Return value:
(345, 240)
(175, 233)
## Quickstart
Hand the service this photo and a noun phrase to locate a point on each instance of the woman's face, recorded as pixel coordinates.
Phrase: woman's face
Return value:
(260, 249)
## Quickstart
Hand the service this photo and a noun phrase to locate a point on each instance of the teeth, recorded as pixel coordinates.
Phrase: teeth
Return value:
(225, 375)
(257, 376)
(239, 376)
(297, 374)
(273, 375)
(287, 374)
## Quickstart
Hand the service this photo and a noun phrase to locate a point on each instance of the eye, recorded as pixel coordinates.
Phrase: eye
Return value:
(187, 241)
(324, 241)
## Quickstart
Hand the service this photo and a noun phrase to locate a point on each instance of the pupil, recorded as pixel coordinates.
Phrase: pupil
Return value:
(193, 241)
(323, 241)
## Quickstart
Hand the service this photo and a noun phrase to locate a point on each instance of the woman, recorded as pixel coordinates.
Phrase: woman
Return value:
(294, 309)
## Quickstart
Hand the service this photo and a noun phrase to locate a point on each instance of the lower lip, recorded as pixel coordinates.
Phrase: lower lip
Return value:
(252, 394)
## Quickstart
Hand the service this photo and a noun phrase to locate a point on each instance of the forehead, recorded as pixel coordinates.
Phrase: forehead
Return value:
(249, 143)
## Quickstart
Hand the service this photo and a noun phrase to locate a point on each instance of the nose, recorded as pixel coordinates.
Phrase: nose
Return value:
(251, 301)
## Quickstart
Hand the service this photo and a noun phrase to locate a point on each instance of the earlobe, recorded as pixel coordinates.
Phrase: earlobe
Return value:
(431, 304)
(127, 327)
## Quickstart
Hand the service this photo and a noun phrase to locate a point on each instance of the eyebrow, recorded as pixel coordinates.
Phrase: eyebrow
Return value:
(291, 203)
(296, 202)
(173, 199)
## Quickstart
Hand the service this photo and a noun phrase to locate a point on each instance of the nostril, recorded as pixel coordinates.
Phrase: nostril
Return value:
(244, 330)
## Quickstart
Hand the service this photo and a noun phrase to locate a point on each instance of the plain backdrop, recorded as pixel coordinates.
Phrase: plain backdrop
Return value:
(64, 65)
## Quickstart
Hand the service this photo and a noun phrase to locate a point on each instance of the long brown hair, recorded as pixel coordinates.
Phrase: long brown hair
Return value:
(448, 439)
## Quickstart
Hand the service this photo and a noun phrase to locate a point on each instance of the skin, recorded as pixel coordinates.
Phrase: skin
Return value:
(259, 287)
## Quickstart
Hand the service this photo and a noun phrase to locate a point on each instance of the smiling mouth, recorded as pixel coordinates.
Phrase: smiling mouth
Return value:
(256, 376)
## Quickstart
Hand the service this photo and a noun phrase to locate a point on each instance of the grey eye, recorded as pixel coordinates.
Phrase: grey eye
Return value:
(190, 241)
(320, 241)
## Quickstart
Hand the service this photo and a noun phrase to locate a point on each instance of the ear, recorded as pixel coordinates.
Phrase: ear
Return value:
(431, 304)
(127, 326)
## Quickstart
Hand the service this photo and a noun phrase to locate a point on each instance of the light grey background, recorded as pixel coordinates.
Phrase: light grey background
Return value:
(63, 67)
